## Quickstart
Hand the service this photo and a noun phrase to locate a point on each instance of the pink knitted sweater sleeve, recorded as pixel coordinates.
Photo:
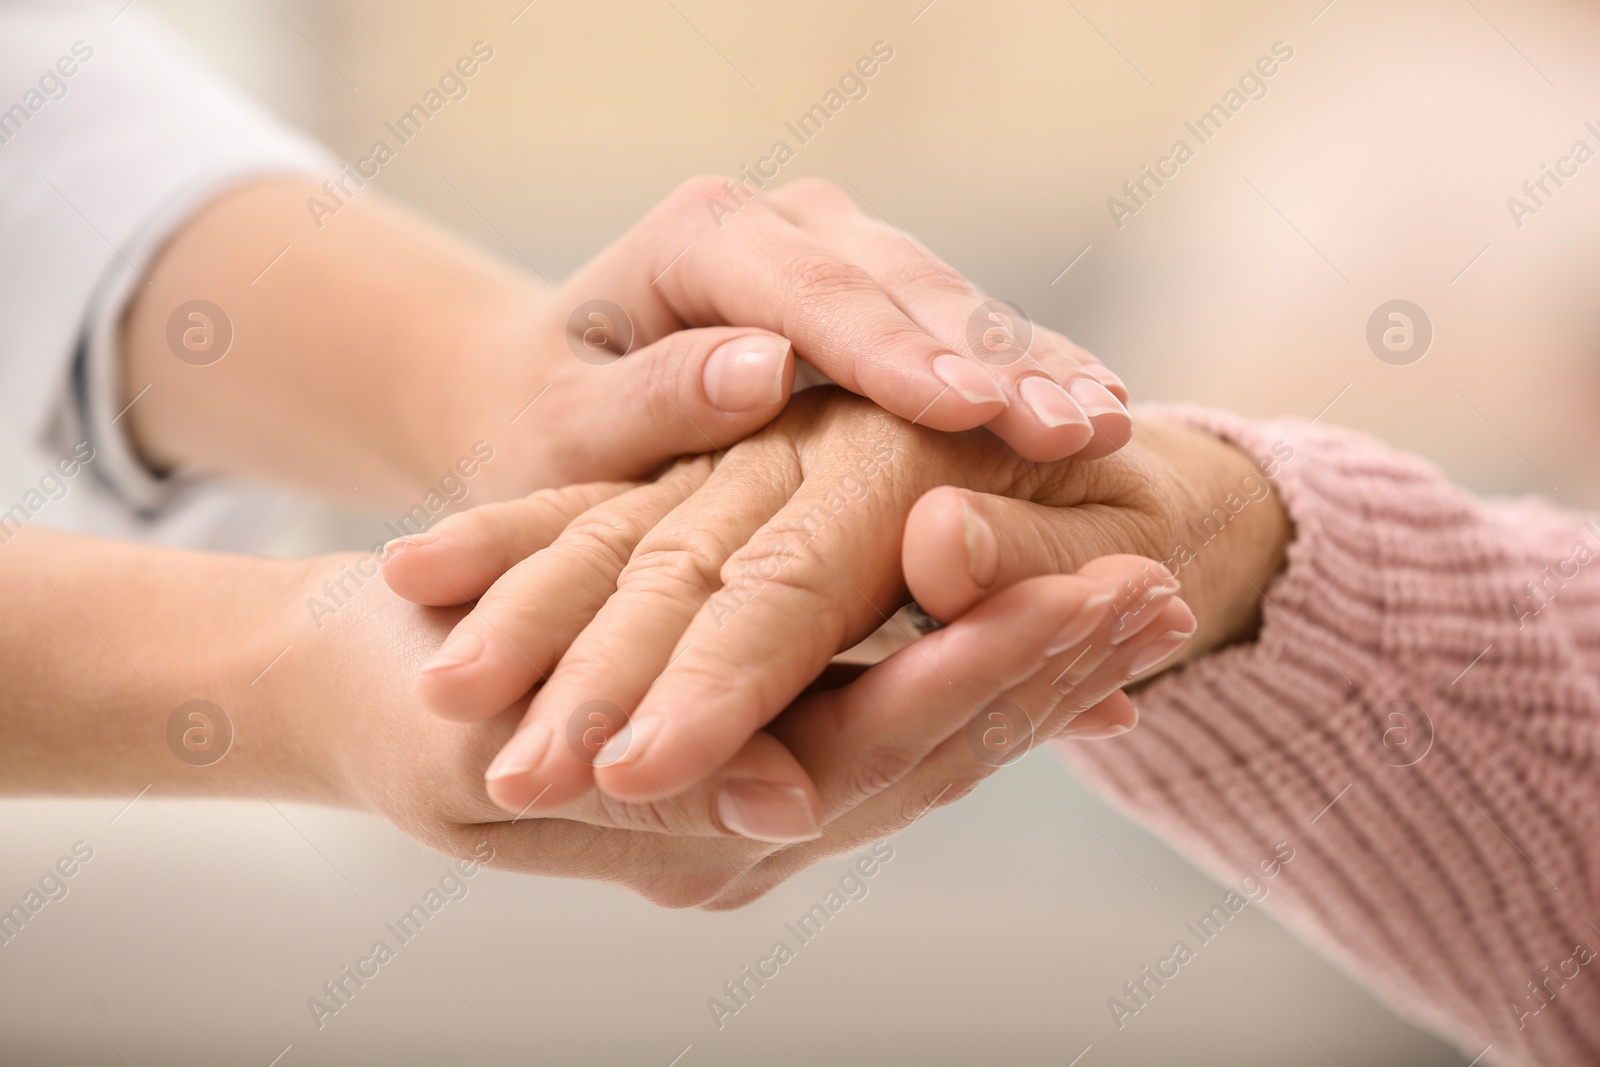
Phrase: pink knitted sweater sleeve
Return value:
(1417, 720)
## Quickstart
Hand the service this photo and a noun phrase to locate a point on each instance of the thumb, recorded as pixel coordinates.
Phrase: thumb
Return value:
(961, 545)
(692, 391)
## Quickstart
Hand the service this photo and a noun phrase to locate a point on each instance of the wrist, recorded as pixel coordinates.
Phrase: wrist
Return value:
(307, 700)
(1228, 533)
(279, 698)
(501, 394)
(344, 707)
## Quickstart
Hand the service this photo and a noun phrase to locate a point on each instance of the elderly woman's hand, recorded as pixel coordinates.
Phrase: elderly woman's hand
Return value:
(703, 604)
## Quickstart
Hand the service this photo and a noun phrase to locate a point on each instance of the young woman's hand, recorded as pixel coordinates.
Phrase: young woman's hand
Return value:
(362, 355)
(861, 302)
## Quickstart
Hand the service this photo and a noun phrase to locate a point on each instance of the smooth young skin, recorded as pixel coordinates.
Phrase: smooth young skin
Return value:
(736, 582)
(372, 353)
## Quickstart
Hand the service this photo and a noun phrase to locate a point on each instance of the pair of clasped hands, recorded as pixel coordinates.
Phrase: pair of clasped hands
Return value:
(689, 734)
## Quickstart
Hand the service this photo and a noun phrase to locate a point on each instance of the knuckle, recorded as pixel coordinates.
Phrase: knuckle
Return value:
(669, 381)
(819, 279)
(691, 559)
(883, 770)
(764, 558)
(802, 589)
(692, 193)
(600, 539)
(549, 509)
(629, 816)
(921, 273)
(818, 193)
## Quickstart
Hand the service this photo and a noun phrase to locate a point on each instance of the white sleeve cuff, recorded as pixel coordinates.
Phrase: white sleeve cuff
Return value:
(93, 182)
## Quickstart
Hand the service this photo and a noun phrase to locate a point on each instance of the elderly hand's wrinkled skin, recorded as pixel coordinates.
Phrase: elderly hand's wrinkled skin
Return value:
(748, 577)
(883, 748)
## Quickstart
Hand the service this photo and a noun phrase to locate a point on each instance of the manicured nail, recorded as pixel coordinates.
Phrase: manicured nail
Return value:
(521, 754)
(1106, 378)
(1158, 650)
(1083, 623)
(747, 372)
(460, 650)
(766, 811)
(967, 379)
(1050, 403)
(983, 548)
(1098, 732)
(1096, 399)
(629, 743)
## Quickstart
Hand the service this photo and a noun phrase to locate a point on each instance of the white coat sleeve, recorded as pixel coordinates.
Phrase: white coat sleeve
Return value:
(111, 136)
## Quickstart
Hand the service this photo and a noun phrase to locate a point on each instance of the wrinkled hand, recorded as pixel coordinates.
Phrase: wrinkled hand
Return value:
(700, 606)
(882, 748)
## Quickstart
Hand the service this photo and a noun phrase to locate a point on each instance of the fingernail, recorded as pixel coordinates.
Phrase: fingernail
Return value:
(460, 650)
(1098, 732)
(965, 378)
(629, 743)
(1083, 623)
(521, 754)
(1106, 378)
(401, 544)
(765, 811)
(983, 549)
(747, 372)
(1158, 650)
(1051, 404)
(1095, 399)
(1132, 623)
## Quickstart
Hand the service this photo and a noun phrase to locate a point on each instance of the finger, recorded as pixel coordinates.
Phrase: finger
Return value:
(686, 266)
(673, 570)
(519, 629)
(1111, 717)
(1091, 363)
(761, 794)
(1046, 704)
(689, 392)
(960, 545)
(887, 729)
(673, 872)
(862, 739)
(1058, 406)
(793, 596)
(463, 554)
(1112, 424)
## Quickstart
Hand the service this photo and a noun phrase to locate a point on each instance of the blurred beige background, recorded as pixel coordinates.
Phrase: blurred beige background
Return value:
(1376, 166)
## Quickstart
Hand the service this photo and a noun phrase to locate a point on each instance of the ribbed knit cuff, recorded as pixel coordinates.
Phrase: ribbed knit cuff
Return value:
(1416, 719)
